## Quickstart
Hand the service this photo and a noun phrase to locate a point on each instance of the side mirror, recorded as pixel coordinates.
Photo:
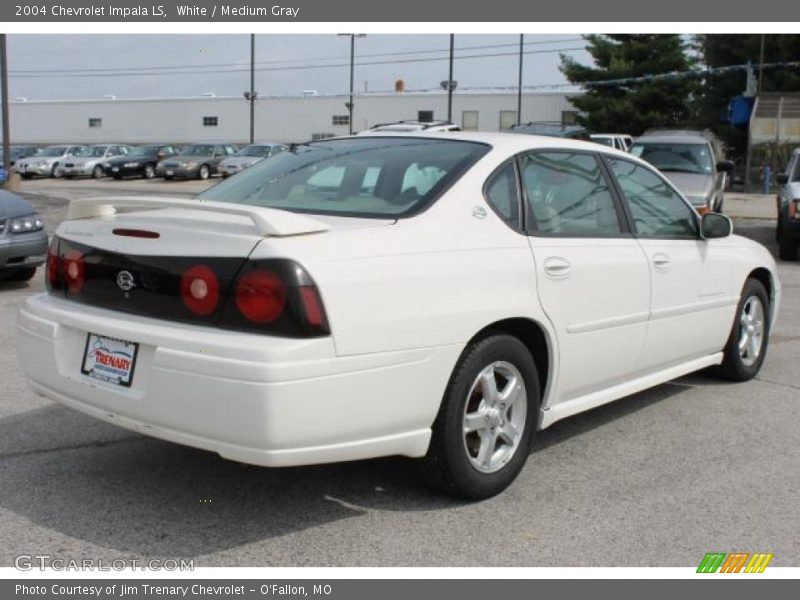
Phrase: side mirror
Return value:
(782, 178)
(726, 165)
(715, 225)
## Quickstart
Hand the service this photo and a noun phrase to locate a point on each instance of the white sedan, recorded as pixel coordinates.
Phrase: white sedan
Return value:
(440, 296)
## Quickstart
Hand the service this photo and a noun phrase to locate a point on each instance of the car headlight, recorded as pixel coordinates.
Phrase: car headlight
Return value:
(131, 164)
(26, 224)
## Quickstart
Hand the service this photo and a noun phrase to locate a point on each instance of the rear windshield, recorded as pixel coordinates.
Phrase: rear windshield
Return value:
(677, 157)
(374, 177)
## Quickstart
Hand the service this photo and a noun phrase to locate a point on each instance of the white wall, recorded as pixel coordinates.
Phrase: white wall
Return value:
(279, 119)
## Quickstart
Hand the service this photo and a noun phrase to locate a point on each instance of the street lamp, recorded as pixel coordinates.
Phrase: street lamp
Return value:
(349, 105)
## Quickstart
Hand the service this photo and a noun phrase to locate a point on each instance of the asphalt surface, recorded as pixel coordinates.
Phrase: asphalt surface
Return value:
(657, 479)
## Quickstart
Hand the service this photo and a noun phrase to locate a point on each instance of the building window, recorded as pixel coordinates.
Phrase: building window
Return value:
(507, 119)
(95, 122)
(469, 120)
(425, 116)
(569, 117)
(315, 137)
(341, 119)
(210, 121)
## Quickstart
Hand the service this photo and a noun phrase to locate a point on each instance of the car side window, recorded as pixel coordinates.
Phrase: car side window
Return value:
(567, 195)
(657, 210)
(502, 194)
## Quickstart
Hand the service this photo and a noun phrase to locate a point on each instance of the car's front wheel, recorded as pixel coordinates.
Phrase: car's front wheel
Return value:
(149, 172)
(485, 426)
(203, 172)
(747, 344)
(98, 172)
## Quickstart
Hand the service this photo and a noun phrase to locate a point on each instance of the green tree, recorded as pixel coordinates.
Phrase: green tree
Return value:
(717, 90)
(632, 107)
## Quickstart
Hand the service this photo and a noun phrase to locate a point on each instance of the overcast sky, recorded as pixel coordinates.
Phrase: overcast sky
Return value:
(88, 66)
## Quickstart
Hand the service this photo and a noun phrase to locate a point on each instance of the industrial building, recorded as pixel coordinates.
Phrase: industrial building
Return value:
(285, 119)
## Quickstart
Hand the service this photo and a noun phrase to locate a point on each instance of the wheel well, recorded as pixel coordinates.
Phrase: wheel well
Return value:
(763, 275)
(529, 333)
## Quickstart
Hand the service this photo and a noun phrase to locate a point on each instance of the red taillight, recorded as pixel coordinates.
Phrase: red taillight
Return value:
(73, 269)
(260, 296)
(200, 290)
(312, 306)
(52, 276)
(138, 233)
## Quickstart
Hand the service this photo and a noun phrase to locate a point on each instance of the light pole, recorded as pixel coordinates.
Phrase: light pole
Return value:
(519, 82)
(450, 82)
(353, 37)
(4, 82)
(251, 95)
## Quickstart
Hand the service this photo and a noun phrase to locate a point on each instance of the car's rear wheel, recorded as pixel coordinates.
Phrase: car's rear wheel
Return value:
(23, 274)
(787, 246)
(203, 172)
(483, 432)
(54, 172)
(149, 171)
(747, 344)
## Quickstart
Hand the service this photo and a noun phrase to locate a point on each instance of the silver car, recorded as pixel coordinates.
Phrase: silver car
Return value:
(88, 162)
(692, 161)
(47, 163)
(248, 156)
(23, 241)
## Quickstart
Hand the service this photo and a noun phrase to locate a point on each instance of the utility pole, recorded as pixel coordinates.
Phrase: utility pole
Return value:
(761, 65)
(519, 81)
(450, 81)
(252, 88)
(350, 105)
(6, 133)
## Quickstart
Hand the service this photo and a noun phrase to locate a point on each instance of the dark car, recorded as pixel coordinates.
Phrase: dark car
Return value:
(141, 161)
(552, 129)
(196, 161)
(23, 241)
(788, 231)
(19, 152)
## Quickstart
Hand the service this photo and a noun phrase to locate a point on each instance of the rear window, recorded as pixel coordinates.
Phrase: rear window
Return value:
(375, 177)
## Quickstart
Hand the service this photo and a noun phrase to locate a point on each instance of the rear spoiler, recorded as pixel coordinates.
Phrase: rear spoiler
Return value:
(267, 221)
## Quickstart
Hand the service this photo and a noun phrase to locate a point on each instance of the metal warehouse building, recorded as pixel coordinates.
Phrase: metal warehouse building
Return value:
(286, 119)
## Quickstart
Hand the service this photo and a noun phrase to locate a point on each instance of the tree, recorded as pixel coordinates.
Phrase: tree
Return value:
(631, 107)
(718, 90)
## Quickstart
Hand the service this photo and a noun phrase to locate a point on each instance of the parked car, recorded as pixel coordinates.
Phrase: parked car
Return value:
(140, 161)
(18, 152)
(551, 129)
(613, 140)
(47, 162)
(23, 241)
(788, 203)
(88, 162)
(248, 156)
(693, 160)
(413, 125)
(196, 161)
(278, 321)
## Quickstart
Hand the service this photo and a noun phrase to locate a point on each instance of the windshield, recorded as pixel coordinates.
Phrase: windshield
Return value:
(261, 151)
(684, 158)
(53, 151)
(93, 151)
(198, 150)
(604, 141)
(375, 177)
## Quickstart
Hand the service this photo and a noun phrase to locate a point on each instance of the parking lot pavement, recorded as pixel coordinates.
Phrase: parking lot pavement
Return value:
(657, 479)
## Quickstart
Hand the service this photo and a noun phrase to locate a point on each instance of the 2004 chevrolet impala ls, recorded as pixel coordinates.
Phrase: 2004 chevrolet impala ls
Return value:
(440, 296)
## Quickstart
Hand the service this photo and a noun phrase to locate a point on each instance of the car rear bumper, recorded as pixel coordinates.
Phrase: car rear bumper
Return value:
(23, 250)
(255, 399)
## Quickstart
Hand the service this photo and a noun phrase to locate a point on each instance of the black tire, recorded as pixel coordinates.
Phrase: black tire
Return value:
(26, 176)
(733, 367)
(203, 172)
(787, 246)
(68, 176)
(54, 171)
(118, 177)
(24, 274)
(98, 172)
(149, 172)
(448, 466)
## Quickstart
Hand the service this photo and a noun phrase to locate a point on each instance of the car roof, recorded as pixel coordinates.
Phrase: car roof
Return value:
(672, 139)
(510, 142)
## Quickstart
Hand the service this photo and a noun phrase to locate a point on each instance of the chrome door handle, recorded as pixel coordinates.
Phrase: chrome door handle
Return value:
(555, 266)
(661, 261)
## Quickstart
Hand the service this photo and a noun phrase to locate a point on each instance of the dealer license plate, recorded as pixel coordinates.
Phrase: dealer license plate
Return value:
(109, 359)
